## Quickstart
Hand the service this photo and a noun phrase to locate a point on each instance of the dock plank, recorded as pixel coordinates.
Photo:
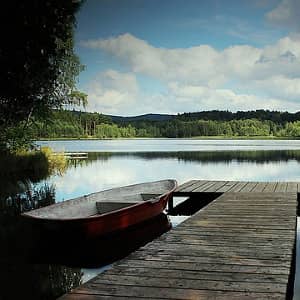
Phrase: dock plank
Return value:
(204, 186)
(281, 187)
(185, 185)
(199, 275)
(248, 187)
(165, 282)
(270, 187)
(259, 187)
(292, 187)
(191, 188)
(203, 267)
(237, 187)
(216, 186)
(227, 187)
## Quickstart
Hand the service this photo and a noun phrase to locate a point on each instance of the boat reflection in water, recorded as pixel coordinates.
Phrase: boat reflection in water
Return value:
(97, 252)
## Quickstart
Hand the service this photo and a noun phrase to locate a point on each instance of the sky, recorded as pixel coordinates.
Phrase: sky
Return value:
(175, 56)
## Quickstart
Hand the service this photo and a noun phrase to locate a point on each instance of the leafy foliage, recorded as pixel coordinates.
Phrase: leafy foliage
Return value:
(38, 63)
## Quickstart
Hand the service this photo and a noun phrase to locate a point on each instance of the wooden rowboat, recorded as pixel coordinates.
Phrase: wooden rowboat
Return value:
(104, 212)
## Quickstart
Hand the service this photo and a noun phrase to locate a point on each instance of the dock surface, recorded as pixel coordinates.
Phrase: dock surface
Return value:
(240, 246)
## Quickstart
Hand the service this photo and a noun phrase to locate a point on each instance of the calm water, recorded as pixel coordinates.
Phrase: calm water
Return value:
(113, 163)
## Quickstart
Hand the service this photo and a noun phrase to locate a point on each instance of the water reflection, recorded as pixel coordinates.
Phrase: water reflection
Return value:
(32, 281)
(18, 247)
(106, 170)
(257, 156)
(43, 262)
(94, 253)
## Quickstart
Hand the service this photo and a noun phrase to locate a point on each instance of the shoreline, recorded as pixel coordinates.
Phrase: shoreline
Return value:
(166, 138)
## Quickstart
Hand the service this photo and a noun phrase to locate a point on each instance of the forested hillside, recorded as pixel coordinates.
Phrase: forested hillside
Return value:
(76, 124)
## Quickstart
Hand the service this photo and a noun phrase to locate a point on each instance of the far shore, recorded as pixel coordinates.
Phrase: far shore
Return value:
(184, 138)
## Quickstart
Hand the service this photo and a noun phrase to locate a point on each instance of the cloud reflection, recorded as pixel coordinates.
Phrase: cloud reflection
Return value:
(119, 170)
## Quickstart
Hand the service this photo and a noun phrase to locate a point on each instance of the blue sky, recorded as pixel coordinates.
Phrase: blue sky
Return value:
(176, 56)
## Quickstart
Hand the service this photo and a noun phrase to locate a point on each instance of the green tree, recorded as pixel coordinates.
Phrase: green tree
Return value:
(38, 64)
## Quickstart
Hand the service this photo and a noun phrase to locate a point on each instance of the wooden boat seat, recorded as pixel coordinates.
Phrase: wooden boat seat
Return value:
(105, 207)
(129, 200)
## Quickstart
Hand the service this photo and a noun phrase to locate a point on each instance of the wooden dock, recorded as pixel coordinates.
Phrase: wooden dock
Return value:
(240, 246)
(72, 155)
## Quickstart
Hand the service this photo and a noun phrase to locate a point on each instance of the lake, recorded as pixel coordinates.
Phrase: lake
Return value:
(113, 163)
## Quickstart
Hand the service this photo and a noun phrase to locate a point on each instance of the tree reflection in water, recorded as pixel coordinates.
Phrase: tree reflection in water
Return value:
(257, 156)
(20, 278)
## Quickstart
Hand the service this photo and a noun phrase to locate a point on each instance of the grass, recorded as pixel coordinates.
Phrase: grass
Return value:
(17, 170)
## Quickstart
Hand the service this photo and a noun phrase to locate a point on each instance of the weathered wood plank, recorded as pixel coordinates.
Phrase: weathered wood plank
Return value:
(242, 233)
(227, 252)
(198, 275)
(227, 187)
(185, 185)
(215, 260)
(237, 187)
(216, 245)
(248, 187)
(234, 230)
(216, 186)
(281, 187)
(213, 285)
(229, 219)
(203, 267)
(193, 186)
(231, 228)
(259, 187)
(203, 187)
(270, 187)
(278, 212)
(292, 187)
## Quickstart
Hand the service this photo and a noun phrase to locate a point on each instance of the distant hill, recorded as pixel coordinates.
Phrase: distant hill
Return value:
(215, 115)
(146, 117)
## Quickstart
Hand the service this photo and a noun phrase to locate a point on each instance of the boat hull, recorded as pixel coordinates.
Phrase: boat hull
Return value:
(105, 224)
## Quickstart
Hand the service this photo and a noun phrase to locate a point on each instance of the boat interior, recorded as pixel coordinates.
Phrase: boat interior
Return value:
(84, 209)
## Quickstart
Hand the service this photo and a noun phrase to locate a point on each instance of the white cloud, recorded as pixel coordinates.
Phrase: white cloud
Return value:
(286, 13)
(112, 91)
(280, 86)
(199, 77)
(160, 63)
(204, 98)
(203, 64)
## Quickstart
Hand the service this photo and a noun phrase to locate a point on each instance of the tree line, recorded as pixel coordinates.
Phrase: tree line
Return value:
(77, 124)
(225, 115)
